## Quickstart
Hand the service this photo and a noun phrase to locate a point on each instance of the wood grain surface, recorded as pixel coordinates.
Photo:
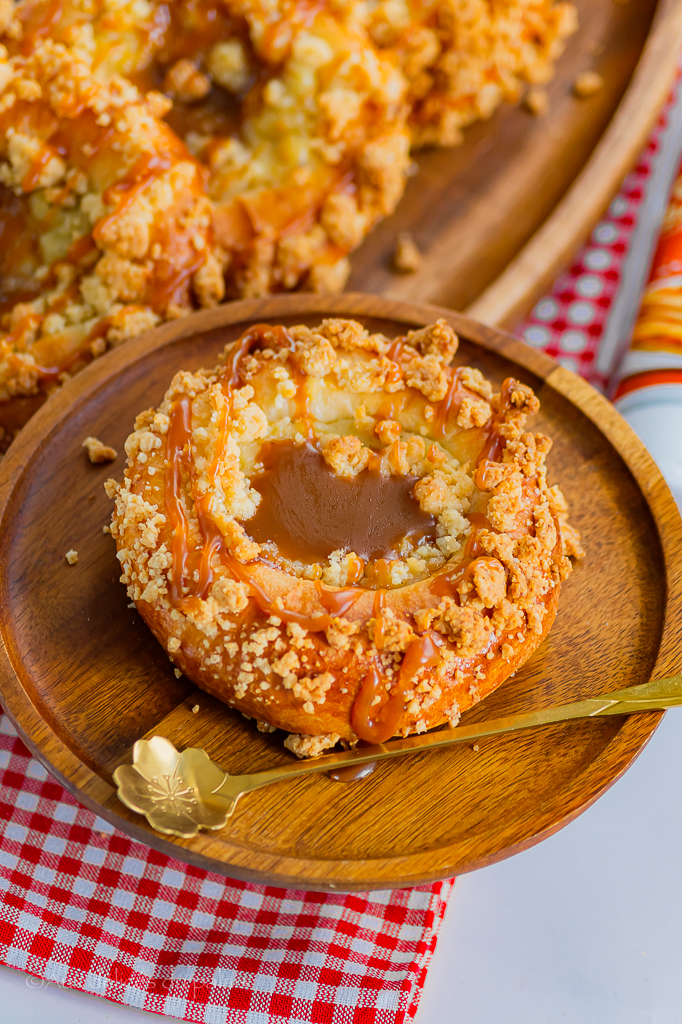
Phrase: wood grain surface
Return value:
(497, 217)
(82, 678)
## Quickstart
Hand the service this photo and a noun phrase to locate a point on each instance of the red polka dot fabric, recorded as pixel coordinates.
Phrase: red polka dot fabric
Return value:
(84, 906)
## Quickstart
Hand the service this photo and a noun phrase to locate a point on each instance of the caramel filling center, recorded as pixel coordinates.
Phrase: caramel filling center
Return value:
(308, 511)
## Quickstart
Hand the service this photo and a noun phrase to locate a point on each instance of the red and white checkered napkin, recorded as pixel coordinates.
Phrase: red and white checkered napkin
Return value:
(82, 905)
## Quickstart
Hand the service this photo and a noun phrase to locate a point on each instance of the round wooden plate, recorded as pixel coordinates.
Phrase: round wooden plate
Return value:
(82, 678)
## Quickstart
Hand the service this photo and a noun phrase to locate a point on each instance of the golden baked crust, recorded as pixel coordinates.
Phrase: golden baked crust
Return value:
(156, 157)
(387, 633)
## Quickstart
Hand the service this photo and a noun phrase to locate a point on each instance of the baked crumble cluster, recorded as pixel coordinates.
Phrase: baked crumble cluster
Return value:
(157, 157)
(231, 563)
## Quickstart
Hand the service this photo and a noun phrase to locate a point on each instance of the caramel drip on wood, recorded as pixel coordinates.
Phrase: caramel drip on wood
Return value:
(353, 772)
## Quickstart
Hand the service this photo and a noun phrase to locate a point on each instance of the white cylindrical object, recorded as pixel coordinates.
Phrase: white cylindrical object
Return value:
(655, 414)
(648, 389)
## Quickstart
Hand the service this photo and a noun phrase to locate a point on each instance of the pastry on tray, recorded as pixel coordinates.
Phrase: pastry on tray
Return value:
(341, 535)
(157, 157)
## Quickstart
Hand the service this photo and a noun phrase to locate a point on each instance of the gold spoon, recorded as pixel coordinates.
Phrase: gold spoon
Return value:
(179, 793)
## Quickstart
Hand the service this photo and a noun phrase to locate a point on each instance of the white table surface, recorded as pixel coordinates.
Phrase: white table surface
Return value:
(585, 928)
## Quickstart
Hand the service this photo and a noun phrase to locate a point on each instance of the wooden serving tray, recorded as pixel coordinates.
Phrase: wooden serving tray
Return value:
(82, 678)
(497, 217)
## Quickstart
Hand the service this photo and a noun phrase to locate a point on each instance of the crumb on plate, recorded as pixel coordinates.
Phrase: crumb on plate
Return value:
(406, 257)
(537, 101)
(99, 452)
(587, 84)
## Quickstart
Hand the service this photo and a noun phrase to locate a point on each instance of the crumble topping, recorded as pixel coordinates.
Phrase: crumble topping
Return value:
(296, 644)
(99, 452)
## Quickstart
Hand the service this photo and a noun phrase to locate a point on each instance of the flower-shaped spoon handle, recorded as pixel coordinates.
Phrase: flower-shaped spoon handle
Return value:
(179, 793)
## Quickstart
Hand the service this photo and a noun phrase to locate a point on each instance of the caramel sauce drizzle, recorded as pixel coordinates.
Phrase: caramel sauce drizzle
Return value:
(212, 537)
(365, 716)
(452, 400)
(337, 602)
(494, 445)
(478, 523)
(393, 405)
(312, 623)
(123, 193)
(178, 448)
(302, 401)
(396, 350)
(259, 335)
(178, 454)
(372, 720)
(378, 608)
(375, 723)
(45, 373)
(82, 143)
(355, 570)
(444, 584)
(38, 165)
(42, 24)
(79, 249)
(167, 289)
(379, 572)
